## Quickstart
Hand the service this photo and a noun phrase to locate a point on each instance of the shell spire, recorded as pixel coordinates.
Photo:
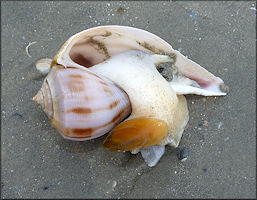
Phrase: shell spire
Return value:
(44, 99)
(39, 99)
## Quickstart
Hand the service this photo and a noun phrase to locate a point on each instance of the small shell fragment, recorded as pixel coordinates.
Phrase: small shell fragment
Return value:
(27, 48)
(220, 124)
(120, 10)
(44, 65)
(153, 154)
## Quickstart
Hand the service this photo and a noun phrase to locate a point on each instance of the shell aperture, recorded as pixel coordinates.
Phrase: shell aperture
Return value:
(93, 46)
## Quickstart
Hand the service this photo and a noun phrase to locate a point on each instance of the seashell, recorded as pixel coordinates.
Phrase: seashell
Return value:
(152, 99)
(43, 65)
(95, 45)
(128, 59)
(80, 104)
(153, 154)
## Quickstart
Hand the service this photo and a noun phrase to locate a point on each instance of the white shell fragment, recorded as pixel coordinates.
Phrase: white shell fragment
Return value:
(44, 65)
(153, 154)
(220, 124)
(27, 48)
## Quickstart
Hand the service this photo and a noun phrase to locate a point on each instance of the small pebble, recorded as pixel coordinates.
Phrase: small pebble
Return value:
(182, 154)
(220, 124)
(201, 137)
(120, 10)
(45, 188)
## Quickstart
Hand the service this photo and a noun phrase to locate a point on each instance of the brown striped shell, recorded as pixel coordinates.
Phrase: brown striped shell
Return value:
(80, 104)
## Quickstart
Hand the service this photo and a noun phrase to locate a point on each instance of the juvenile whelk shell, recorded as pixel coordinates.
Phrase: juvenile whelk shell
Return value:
(80, 104)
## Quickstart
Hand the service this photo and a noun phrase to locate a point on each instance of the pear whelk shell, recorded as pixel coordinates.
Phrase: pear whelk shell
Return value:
(81, 105)
(93, 46)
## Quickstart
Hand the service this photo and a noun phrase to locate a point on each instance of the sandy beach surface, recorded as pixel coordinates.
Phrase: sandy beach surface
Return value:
(36, 162)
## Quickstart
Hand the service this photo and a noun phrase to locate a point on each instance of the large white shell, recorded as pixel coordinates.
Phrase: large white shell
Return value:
(95, 45)
(80, 104)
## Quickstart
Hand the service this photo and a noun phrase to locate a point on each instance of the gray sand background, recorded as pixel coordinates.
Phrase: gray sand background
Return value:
(221, 136)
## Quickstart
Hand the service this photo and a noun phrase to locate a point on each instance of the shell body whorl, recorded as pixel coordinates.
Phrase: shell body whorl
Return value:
(150, 94)
(84, 106)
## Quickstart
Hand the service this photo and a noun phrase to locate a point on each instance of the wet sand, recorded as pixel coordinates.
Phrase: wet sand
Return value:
(221, 135)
